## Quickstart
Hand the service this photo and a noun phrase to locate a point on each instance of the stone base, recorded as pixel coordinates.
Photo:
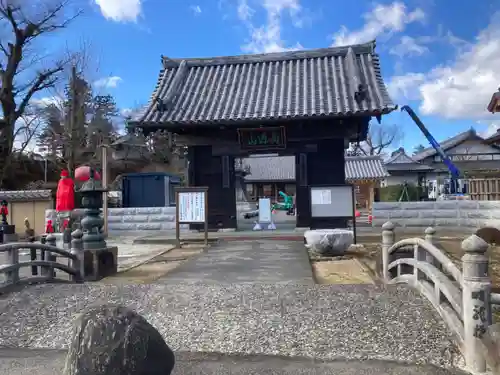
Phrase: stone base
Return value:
(100, 263)
(328, 241)
(9, 233)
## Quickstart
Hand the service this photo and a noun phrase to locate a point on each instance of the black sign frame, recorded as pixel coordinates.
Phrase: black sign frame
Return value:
(244, 135)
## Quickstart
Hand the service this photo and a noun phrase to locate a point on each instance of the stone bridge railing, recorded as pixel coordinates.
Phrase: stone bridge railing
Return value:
(462, 298)
(46, 260)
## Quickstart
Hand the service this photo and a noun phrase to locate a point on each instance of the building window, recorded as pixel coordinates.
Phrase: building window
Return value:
(267, 190)
(357, 189)
(290, 189)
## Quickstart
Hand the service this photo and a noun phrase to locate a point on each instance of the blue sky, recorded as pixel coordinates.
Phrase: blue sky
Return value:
(441, 57)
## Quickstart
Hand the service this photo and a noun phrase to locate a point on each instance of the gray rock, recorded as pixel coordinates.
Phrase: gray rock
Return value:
(329, 241)
(114, 340)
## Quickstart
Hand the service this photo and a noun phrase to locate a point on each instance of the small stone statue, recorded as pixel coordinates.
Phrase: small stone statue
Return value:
(4, 211)
(28, 231)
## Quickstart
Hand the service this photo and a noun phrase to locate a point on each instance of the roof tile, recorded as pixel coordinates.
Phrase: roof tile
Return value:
(25, 195)
(297, 84)
(282, 168)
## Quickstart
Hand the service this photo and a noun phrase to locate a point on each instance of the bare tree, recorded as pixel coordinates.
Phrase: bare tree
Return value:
(380, 138)
(418, 149)
(24, 72)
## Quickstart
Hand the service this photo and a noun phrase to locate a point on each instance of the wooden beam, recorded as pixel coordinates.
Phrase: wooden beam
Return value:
(193, 140)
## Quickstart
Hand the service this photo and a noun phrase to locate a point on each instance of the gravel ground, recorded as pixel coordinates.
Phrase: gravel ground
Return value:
(323, 322)
(50, 362)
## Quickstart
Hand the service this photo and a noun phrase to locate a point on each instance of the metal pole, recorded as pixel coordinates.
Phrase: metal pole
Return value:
(45, 168)
(104, 162)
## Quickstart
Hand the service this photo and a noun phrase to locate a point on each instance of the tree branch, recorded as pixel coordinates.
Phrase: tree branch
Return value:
(43, 81)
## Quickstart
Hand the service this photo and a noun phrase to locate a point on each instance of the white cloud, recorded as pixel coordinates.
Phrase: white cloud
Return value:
(46, 101)
(383, 20)
(492, 128)
(120, 10)
(463, 87)
(267, 37)
(409, 46)
(196, 9)
(108, 82)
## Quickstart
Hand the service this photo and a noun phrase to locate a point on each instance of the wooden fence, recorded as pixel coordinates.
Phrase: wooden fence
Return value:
(484, 189)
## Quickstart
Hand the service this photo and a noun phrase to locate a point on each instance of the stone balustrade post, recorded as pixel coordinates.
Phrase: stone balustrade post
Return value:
(48, 271)
(476, 291)
(12, 259)
(430, 237)
(387, 241)
(77, 250)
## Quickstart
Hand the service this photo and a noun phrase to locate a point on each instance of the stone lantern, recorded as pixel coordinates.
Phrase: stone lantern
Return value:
(92, 223)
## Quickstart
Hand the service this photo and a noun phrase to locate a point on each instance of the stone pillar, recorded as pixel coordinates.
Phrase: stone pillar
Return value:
(476, 291)
(12, 259)
(77, 250)
(430, 236)
(49, 271)
(387, 241)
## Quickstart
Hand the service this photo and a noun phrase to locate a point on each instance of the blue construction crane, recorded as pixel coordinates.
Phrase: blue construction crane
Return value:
(454, 171)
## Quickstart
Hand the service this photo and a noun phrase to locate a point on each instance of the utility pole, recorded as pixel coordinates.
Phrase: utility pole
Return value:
(73, 121)
(104, 177)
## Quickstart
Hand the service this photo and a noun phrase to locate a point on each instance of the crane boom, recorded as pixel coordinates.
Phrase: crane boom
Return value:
(454, 171)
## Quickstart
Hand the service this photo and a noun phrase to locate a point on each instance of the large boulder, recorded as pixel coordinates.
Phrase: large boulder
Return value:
(329, 241)
(114, 340)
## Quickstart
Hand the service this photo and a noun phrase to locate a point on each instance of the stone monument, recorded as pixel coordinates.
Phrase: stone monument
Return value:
(114, 340)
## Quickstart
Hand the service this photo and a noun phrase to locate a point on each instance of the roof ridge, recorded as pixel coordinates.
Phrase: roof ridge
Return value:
(365, 48)
(363, 157)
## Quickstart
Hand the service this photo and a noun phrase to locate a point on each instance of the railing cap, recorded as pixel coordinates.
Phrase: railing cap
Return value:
(474, 244)
(388, 226)
(430, 230)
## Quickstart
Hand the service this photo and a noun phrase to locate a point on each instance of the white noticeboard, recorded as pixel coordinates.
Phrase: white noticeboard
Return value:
(191, 207)
(265, 210)
(332, 201)
(321, 196)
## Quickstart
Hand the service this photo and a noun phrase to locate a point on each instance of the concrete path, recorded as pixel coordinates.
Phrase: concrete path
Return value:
(272, 262)
(50, 362)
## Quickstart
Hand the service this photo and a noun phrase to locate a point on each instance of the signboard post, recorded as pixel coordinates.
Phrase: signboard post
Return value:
(191, 207)
(334, 201)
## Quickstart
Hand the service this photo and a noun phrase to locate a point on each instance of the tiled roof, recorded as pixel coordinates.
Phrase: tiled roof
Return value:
(282, 168)
(400, 161)
(447, 144)
(493, 138)
(25, 195)
(364, 168)
(493, 105)
(399, 157)
(298, 84)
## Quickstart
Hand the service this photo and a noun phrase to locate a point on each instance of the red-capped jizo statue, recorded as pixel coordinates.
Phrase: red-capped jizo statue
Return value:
(65, 196)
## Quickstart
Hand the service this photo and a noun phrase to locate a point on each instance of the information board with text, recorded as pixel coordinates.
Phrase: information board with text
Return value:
(191, 206)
